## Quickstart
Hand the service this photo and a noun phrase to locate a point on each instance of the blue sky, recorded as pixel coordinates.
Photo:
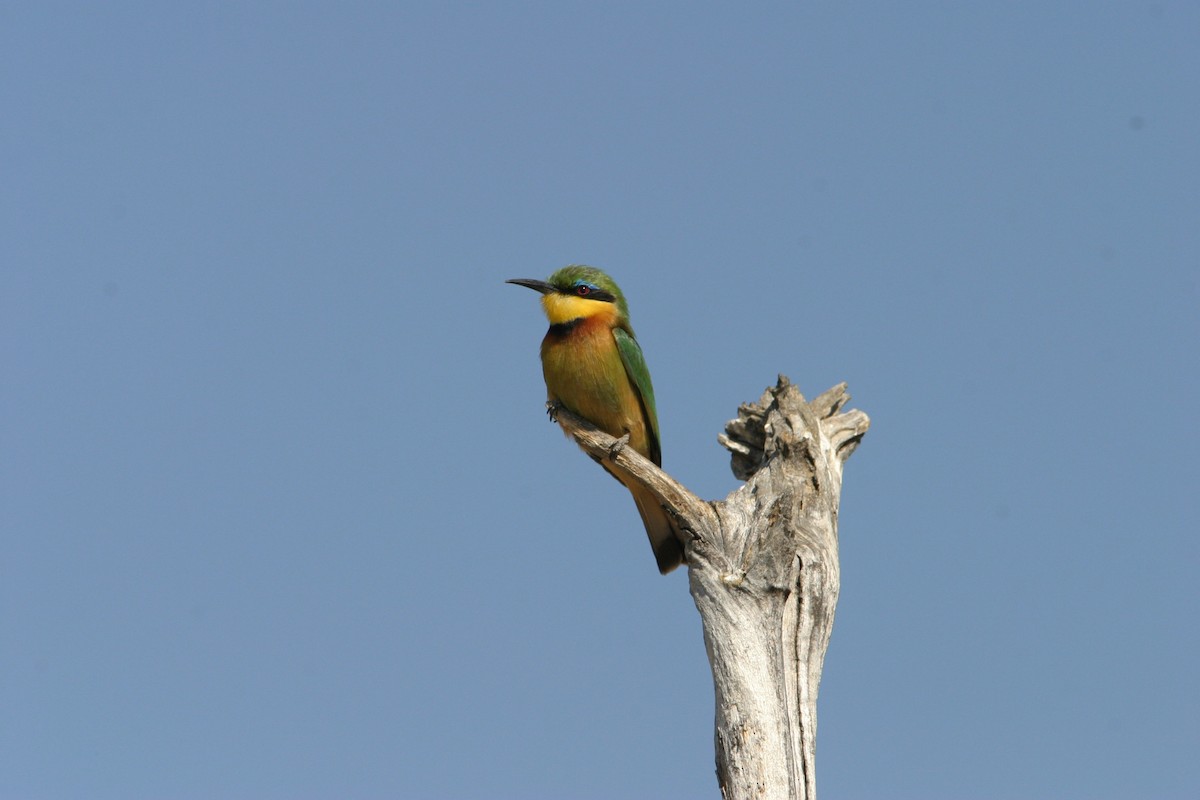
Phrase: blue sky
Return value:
(282, 515)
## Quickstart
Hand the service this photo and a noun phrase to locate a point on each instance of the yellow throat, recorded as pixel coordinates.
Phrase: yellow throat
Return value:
(562, 308)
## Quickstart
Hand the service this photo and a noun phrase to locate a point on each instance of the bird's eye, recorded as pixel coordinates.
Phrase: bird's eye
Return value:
(583, 290)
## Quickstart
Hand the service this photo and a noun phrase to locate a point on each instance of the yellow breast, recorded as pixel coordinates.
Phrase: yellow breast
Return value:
(584, 371)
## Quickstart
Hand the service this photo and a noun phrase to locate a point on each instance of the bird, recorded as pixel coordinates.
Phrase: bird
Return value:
(593, 366)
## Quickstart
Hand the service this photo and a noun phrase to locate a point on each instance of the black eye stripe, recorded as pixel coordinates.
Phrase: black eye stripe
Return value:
(590, 292)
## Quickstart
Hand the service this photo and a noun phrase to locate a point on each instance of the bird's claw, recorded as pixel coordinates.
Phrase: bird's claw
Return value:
(615, 449)
(552, 407)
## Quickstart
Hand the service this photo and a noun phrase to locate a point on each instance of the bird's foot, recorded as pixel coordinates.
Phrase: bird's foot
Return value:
(615, 449)
(552, 407)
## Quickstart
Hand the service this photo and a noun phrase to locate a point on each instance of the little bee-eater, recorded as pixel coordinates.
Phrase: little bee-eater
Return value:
(594, 367)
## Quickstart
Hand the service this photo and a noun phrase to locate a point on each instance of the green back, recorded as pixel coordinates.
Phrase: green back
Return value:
(635, 368)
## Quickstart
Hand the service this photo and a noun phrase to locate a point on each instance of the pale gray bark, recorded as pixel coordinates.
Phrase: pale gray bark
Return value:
(763, 571)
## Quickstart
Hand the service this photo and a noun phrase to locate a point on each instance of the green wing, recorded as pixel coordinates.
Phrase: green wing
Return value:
(635, 368)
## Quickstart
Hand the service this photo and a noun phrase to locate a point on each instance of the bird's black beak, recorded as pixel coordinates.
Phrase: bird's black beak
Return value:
(537, 286)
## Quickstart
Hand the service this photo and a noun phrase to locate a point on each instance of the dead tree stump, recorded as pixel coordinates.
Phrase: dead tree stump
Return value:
(763, 571)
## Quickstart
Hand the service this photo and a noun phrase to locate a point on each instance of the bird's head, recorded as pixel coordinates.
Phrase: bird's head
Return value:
(579, 292)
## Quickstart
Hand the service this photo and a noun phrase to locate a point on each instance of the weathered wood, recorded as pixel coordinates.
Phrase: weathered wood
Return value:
(763, 572)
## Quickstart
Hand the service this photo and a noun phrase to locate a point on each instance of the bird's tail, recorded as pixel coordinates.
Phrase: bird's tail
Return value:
(668, 548)
(660, 528)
